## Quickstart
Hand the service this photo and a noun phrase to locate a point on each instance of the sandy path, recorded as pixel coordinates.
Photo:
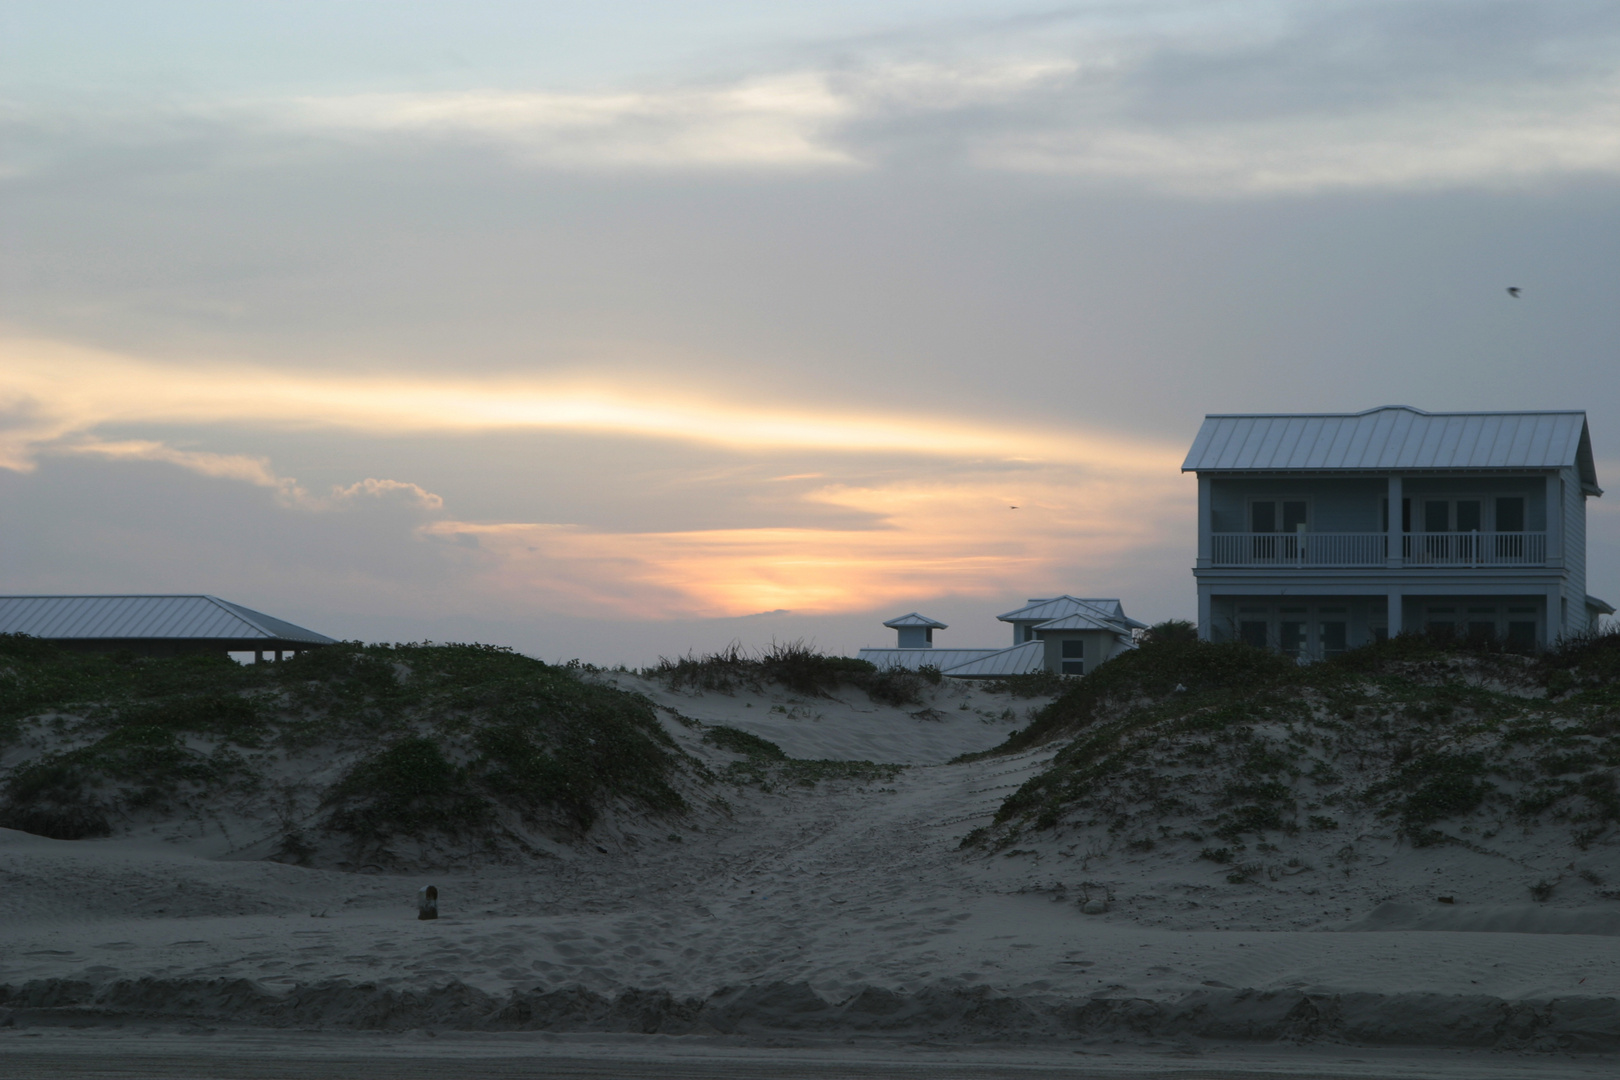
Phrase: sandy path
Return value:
(839, 889)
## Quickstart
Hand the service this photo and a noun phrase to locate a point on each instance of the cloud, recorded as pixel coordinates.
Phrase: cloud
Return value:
(252, 470)
(914, 531)
(774, 122)
(952, 535)
(75, 390)
(373, 488)
(1305, 97)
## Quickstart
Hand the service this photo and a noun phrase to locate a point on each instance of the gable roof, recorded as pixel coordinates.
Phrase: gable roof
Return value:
(1394, 437)
(1062, 607)
(915, 619)
(912, 659)
(1082, 621)
(146, 618)
(1017, 660)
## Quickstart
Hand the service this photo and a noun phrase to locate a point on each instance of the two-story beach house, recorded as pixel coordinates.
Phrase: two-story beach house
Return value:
(1321, 532)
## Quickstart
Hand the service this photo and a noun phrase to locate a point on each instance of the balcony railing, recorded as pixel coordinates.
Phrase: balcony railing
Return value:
(1372, 549)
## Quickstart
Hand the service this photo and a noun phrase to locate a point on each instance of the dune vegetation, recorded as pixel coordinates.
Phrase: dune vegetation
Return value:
(454, 739)
(1229, 749)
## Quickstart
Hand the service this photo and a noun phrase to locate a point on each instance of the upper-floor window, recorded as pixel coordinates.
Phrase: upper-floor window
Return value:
(1278, 515)
(1444, 514)
(1452, 515)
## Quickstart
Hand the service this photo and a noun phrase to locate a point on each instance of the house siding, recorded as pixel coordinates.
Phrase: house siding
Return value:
(1574, 619)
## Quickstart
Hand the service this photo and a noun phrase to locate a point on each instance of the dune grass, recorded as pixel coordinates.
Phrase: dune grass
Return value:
(765, 764)
(1182, 737)
(444, 738)
(796, 667)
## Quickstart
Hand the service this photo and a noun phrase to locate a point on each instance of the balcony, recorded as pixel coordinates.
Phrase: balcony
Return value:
(1307, 549)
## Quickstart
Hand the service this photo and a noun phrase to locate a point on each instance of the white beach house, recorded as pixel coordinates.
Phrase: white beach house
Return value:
(1321, 532)
(1066, 635)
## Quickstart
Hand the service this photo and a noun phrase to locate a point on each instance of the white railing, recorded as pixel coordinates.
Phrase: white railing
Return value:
(1475, 549)
(1372, 549)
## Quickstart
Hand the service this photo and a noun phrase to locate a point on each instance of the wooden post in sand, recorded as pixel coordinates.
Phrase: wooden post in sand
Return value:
(427, 902)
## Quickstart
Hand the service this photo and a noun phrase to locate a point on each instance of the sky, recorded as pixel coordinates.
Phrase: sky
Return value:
(618, 330)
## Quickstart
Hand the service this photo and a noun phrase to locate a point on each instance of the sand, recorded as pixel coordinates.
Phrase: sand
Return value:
(843, 911)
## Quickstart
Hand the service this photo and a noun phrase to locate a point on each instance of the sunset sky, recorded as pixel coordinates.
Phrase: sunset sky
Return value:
(618, 329)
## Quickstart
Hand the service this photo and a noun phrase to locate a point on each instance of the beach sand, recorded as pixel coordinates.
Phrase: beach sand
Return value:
(821, 914)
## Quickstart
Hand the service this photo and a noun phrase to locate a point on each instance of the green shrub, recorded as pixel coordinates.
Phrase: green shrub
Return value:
(409, 788)
(464, 731)
(743, 742)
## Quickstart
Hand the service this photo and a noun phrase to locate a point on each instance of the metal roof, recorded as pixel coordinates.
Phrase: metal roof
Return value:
(1018, 660)
(1061, 607)
(912, 659)
(1082, 621)
(915, 619)
(1393, 437)
(146, 618)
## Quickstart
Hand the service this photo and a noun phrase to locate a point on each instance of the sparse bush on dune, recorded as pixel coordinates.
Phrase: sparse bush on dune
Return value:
(796, 667)
(1170, 630)
(1188, 737)
(765, 764)
(452, 740)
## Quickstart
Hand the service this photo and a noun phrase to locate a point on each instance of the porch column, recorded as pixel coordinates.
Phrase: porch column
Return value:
(1397, 622)
(1205, 627)
(1205, 525)
(1555, 616)
(1392, 553)
(1555, 520)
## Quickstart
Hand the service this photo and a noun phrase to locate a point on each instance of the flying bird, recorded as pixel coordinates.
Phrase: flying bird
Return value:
(1012, 507)
(1513, 291)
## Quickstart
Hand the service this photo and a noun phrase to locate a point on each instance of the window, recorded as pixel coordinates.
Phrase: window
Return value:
(1509, 523)
(1521, 626)
(1074, 656)
(1334, 638)
(1452, 515)
(1253, 632)
(1278, 515)
(1291, 637)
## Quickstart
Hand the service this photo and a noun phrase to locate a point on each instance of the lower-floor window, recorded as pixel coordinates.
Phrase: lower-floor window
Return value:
(1309, 629)
(1291, 637)
(1514, 624)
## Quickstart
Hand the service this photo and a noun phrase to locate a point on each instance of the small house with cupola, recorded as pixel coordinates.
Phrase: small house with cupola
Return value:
(1065, 635)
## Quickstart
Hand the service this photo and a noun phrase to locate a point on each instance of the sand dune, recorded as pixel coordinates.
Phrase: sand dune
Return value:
(839, 904)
